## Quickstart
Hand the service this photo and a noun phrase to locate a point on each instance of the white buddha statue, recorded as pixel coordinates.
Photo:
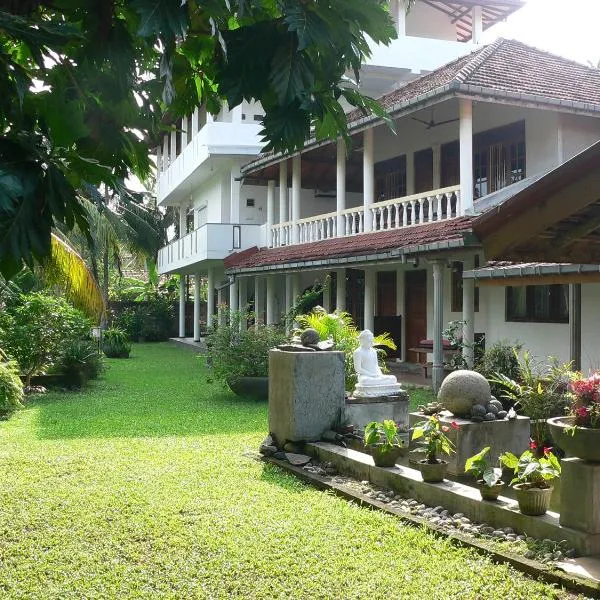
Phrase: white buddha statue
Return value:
(371, 381)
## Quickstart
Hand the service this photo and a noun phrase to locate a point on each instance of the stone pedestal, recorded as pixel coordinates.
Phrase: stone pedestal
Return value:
(360, 411)
(470, 438)
(580, 495)
(306, 394)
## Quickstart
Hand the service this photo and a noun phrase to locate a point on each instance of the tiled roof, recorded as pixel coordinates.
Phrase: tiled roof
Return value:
(358, 245)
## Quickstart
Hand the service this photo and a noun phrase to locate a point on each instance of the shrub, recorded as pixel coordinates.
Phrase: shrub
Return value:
(501, 357)
(81, 362)
(115, 343)
(11, 388)
(235, 352)
(36, 332)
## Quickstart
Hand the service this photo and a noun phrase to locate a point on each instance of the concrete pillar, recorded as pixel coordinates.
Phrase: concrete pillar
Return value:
(283, 192)
(270, 211)
(184, 133)
(258, 301)
(410, 173)
(400, 310)
(197, 285)
(340, 292)
(468, 316)
(270, 299)
(159, 165)
(368, 177)
(173, 150)
(182, 221)
(575, 325)
(340, 185)
(165, 152)
(234, 304)
(181, 306)
(195, 122)
(243, 300)
(369, 307)
(438, 324)
(234, 195)
(289, 301)
(327, 293)
(296, 187)
(210, 298)
(466, 155)
(436, 152)
(477, 28)
(398, 12)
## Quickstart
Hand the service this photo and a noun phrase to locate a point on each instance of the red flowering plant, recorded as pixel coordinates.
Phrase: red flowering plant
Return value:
(585, 396)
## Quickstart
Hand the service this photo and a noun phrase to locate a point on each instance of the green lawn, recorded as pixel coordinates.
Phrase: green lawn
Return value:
(142, 487)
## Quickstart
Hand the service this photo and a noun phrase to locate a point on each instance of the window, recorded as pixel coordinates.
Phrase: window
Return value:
(390, 178)
(249, 202)
(538, 303)
(457, 287)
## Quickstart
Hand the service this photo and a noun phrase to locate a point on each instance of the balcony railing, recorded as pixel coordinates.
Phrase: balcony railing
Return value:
(409, 211)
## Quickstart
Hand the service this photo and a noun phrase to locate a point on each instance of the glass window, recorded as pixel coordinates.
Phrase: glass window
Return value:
(538, 303)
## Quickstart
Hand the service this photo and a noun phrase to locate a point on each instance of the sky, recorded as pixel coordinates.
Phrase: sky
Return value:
(570, 28)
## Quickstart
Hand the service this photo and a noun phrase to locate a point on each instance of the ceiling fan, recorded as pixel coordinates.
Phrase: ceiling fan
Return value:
(433, 123)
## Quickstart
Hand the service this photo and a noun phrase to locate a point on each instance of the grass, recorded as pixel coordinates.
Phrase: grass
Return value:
(145, 487)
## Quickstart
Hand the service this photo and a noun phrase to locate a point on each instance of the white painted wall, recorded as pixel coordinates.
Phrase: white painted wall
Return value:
(578, 133)
(590, 334)
(425, 21)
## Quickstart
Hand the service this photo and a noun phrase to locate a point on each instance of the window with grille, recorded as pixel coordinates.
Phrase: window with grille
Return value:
(390, 178)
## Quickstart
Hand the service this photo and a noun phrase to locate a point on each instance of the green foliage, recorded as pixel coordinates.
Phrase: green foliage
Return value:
(500, 357)
(339, 327)
(84, 90)
(531, 470)
(81, 361)
(384, 435)
(115, 343)
(36, 332)
(432, 438)
(11, 388)
(480, 468)
(235, 352)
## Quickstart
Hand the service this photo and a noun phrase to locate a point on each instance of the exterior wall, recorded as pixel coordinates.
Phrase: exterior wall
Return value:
(577, 134)
(590, 327)
(425, 21)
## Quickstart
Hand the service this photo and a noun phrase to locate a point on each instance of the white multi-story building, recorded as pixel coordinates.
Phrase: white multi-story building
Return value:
(387, 221)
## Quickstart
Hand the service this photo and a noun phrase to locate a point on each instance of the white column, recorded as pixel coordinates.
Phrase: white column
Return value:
(340, 185)
(236, 114)
(173, 146)
(195, 121)
(369, 308)
(340, 290)
(165, 151)
(327, 294)
(243, 300)
(258, 301)
(270, 211)
(368, 177)
(468, 316)
(234, 197)
(398, 12)
(159, 165)
(197, 282)
(283, 192)
(436, 152)
(221, 310)
(270, 299)
(575, 325)
(477, 20)
(296, 187)
(184, 133)
(234, 304)
(438, 324)
(182, 221)
(210, 298)
(400, 291)
(466, 155)
(289, 300)
(410, 173)
(181, 306)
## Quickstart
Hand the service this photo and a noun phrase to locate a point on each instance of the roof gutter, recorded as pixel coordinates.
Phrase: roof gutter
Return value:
(486, 273)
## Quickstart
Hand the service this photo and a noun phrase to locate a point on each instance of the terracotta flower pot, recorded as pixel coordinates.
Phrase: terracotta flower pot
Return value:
(489, 492)
(533, 501)
(385, 458)
(432, 472)
(583, 443)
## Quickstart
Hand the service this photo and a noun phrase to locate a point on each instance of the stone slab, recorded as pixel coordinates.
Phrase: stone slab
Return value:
(580, 495)
(306, 394)
(391, 407)
(470, 438)
(455, 497)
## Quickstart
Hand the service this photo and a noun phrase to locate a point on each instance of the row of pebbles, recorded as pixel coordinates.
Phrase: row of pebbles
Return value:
(542, 550)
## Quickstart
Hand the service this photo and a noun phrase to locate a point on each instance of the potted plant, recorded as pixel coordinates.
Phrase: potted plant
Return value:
(382, 442)
(578, 434)
(531, 482)
(432, 438)
(488, 478)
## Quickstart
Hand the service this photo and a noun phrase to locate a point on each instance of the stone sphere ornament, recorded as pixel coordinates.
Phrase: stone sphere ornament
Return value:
(463, 389)
(310, 337)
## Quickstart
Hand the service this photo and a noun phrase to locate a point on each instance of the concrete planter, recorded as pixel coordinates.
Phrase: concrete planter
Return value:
(432, 472)
(490, 493)
(584, 443)
(387, 458)
(533, 501)
(250, 387)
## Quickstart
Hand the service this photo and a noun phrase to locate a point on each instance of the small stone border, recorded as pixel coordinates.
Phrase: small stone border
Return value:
(413, 513)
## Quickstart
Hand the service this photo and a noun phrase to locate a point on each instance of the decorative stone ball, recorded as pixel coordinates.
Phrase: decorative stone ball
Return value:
(501, 414)
(310, 337)
(496, 403)
(478, 410)
(492, 408)
(490, 417)
(461, 390)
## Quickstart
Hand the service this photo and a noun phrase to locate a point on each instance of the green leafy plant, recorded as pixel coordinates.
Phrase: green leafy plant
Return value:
(115, 343)
(530, 470)
(11, 388)
(383, 434)
(432, 438)
(81, 362)
(235, 352)
(339, 328)
(500, 357)
(481, 469)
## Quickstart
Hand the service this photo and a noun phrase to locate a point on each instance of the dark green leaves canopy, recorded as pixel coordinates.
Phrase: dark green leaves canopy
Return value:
(89, 85)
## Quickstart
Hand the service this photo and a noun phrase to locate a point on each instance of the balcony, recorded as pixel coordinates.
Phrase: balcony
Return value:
(213, 241)
(410, 211)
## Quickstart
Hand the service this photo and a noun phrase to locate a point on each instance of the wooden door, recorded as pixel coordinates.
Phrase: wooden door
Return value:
(415, 315)
(386, 319)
